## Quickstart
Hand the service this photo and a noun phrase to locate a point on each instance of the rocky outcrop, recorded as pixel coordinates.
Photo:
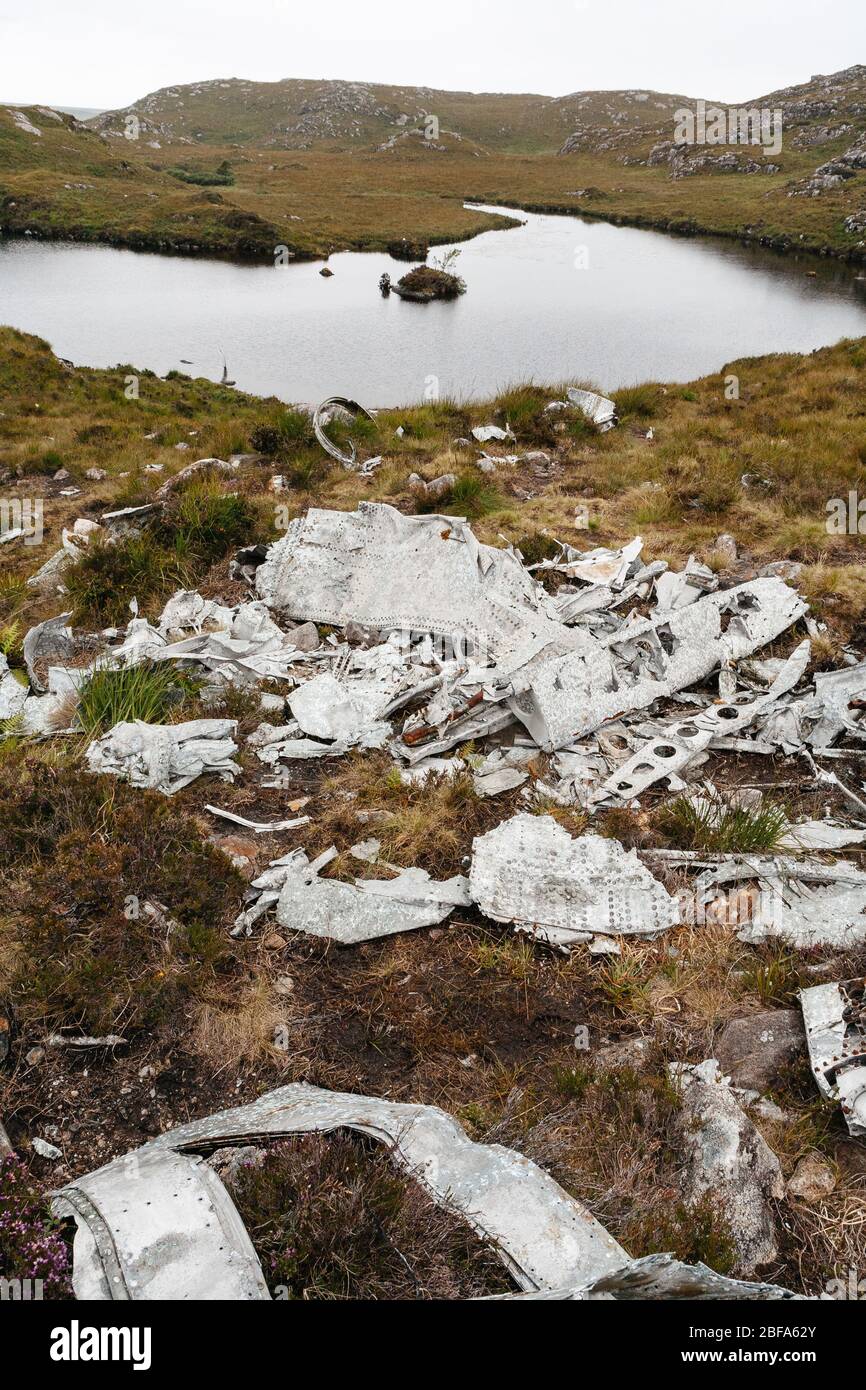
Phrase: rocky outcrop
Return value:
(685, 160)
(835, 172)
(726, 1159)
(753, 1049)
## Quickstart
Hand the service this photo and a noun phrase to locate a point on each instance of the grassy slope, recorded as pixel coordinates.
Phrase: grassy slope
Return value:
(799, 423)
(316, 180)
(471, 1017)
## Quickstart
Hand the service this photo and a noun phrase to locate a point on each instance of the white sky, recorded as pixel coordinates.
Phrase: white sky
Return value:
(107, 53)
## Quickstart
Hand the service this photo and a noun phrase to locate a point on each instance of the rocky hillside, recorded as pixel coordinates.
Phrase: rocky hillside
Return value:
(303, 115)
(296, 114)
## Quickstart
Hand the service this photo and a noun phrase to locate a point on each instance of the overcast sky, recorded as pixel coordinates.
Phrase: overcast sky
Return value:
(107, 53)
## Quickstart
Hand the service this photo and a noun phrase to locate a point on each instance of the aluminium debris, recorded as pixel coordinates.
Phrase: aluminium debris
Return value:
(158, 1223)
(165, 757)
(48, 641)
(260, 827)
(657, 1277)
(684, 738)
(802, 901)
(346, 912)
(835, 1019)
(528, 870)
(322, 416)
(429, 575)
(599, 409)
(820, 835)
(13, 693)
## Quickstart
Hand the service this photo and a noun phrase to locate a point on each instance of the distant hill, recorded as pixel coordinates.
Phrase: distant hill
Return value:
(238, 168)
(300, 115)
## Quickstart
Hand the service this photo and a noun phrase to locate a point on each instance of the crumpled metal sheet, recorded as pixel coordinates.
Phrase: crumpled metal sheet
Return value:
(835, 1019)
(804, 902)
(530, 871)
(12, 693)
(683, 739)
(600, 567)
(54, 712)
(564, 692)
(155, 1225)
(165, 757)
(657, 1277)
(834, 691)
(177, 1234)
(346, 912)
(50, 641)
(237, 643)
(599, 409)
(820, 835)
(322, 416)
(326, 708)
(418, 574)
(484, 433)
(679, 589)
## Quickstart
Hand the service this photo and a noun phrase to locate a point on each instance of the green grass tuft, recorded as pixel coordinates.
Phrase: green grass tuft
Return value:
(149, 692)
(718, 828)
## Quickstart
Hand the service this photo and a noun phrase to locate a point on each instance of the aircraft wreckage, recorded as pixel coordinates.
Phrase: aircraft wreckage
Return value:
(158, 1222)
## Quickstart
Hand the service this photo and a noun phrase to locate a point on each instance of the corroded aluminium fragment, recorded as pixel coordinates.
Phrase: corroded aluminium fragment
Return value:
(567, 690)
(684, 739)
(420, 574)
(530, 871)
(165, 757)
(835, 1020)
(658, 1277)
(346, 912)
(599, 409)
(158, 1223)
(368, 909)
(322, 416)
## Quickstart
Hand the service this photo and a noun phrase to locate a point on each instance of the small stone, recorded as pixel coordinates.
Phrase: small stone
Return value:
(812, 1179)
(96, 475)
(44, 1149)
(274, 942)
(781, 569)
(241, 852)
(357, 635)
(753, 1048)
(306, 637)
(726, 546)
(273, 704)
(767, 1109)
(61, 475)
(326, 272)
(629, 1053)
(34, 1056)
(284, 984)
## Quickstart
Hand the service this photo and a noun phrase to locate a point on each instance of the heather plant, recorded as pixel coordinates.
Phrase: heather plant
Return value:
(33, 1244)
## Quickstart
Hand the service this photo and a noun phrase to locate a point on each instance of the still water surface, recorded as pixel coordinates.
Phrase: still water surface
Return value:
(556, 299)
